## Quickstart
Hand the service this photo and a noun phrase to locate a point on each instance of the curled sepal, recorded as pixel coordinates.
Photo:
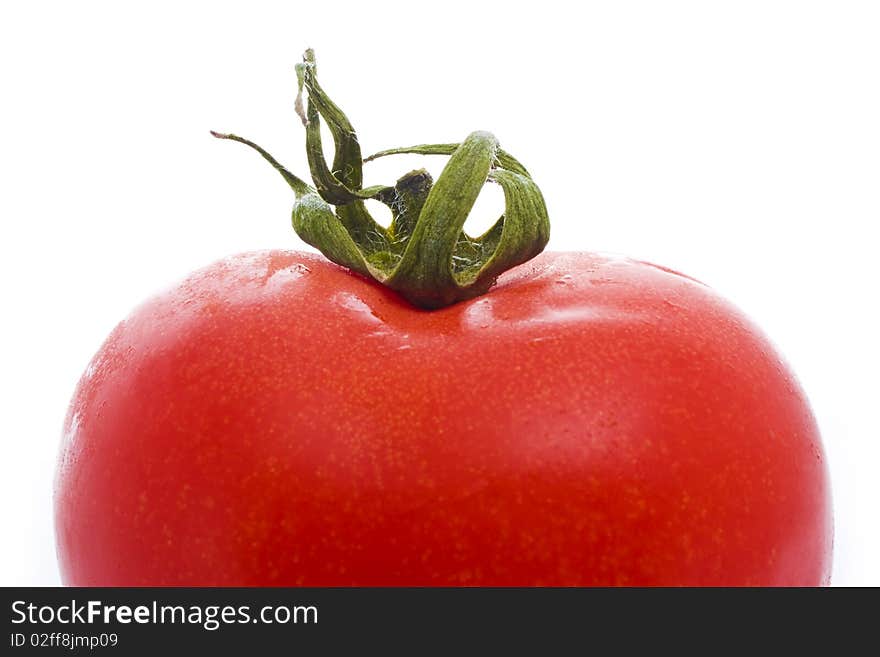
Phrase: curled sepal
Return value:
(315, 223)
(442, 264)
(424, 254)
(505, 159)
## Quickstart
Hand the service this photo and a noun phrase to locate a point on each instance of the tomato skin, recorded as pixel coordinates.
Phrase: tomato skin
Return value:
(276, 420)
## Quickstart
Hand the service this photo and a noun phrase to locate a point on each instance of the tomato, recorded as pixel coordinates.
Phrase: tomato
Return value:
(435, 411)
(277, 420)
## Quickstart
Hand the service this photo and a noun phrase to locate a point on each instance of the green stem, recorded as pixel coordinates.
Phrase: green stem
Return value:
(424, 254)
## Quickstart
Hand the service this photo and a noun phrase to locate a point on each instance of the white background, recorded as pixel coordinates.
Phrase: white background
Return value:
(738, 142)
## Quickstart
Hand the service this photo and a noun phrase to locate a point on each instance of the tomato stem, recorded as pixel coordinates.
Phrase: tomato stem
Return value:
(424, 254)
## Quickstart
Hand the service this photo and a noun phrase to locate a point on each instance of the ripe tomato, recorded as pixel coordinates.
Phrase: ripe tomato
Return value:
(278, 420)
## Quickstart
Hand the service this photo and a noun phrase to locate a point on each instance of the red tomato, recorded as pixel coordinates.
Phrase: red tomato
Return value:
(277, 420)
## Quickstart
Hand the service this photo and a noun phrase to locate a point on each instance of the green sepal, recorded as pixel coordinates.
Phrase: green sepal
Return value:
(424, 254)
